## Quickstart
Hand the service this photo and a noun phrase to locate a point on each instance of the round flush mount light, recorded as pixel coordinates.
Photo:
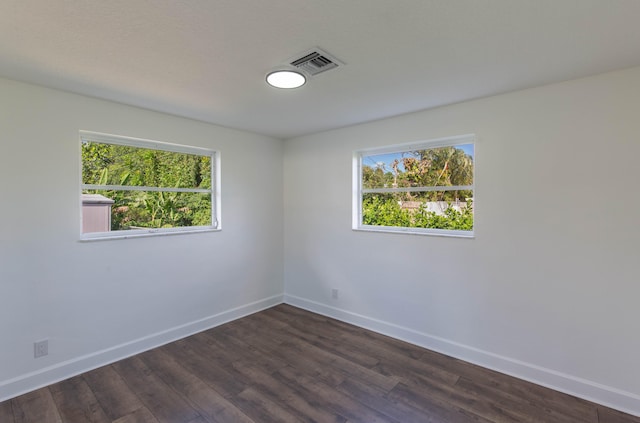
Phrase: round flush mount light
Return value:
(286, 79)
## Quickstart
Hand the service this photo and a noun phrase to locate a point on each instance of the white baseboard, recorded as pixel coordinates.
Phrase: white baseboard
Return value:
(608, 396)
(611, 397)
(60, 371)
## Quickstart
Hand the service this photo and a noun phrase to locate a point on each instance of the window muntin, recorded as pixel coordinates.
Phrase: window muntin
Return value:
(146, 187)
(424, 188)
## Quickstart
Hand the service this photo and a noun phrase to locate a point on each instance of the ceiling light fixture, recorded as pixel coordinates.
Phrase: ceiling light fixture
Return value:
(286, 79)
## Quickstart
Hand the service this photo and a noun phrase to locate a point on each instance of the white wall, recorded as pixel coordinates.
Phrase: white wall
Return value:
(99, 301)
(548, 290)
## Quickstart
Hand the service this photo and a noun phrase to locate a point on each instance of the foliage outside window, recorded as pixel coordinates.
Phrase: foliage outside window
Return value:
(425, 188)
(137, 187)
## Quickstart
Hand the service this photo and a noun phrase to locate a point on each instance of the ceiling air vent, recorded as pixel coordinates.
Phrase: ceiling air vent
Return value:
(315, 62)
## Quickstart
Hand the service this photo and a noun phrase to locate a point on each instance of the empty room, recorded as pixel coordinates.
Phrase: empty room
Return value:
(319, 211)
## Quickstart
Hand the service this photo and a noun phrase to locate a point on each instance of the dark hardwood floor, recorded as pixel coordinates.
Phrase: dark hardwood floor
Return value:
(288, 365)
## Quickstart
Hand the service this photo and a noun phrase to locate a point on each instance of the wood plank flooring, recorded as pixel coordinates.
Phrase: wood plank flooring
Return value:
(289, 365)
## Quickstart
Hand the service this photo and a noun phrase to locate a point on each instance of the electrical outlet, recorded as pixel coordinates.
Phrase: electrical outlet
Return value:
(334, 293)
(40, 348)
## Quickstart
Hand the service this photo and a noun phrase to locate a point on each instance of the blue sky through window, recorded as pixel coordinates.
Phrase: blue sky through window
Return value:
(385, 160)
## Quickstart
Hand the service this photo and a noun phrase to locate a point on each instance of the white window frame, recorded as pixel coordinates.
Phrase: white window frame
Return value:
(358, 191)
(216, 220)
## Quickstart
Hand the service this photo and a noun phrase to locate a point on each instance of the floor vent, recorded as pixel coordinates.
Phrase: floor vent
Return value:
(316, 61)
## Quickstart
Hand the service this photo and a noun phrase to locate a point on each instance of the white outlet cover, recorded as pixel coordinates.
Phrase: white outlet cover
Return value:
(40, 348)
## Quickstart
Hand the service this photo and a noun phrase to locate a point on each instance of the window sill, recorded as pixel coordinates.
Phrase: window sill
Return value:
(417, 231)
(104, 236)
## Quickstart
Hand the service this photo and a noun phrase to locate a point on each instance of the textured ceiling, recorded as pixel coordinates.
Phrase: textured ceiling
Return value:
(207, 59)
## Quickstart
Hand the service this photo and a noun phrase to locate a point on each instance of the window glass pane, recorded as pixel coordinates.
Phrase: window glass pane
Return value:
(381, 170)
(442, 166)
(105, 210)
(435, 210)
(113, 164)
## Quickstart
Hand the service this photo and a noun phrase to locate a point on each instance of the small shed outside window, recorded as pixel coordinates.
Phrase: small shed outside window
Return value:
(96, 213)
